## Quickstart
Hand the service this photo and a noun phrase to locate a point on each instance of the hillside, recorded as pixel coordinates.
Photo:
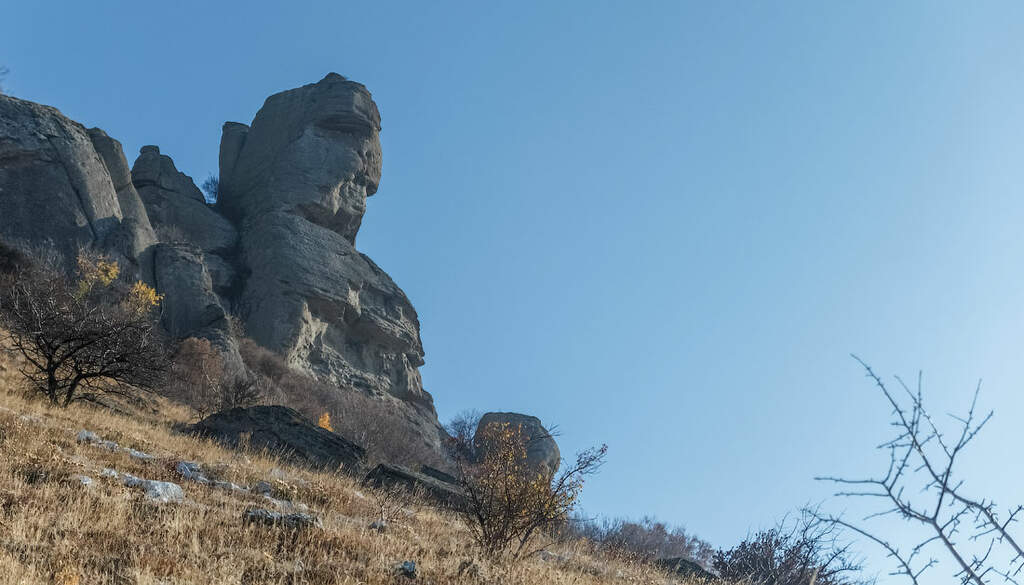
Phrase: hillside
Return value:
(58, 530)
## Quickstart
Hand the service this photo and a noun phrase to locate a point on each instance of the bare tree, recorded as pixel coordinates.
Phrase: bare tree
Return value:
(508, 504)
(82, 337)
(460, 429)
(3, 73)
(972, 530)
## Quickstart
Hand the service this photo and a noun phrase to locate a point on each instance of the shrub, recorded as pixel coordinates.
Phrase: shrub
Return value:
(508, 504)
(807, 554)
(380, 424)
(85, 336)
(200, 380)
(647, 539)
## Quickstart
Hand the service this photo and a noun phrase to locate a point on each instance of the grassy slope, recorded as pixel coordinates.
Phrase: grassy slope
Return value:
(54, 530)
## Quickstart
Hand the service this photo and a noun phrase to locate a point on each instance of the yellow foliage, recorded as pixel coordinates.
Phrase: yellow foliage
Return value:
(325, 422)
(95, 270)
(143, 297)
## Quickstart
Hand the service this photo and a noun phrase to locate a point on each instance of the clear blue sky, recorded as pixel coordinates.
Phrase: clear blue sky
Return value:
(660, 225)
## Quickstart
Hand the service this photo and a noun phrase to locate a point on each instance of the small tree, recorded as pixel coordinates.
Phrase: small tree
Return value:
(85, 336)
(508, 504)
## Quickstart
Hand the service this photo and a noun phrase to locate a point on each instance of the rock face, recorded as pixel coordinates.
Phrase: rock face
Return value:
(56, 189)
(136, 230)
(296, 184)
(541, 449)
(282, 430)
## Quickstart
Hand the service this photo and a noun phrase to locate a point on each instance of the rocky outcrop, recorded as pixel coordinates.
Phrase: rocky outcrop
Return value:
(56, 189)
(283, 431)
(541, 449)
(295, 182)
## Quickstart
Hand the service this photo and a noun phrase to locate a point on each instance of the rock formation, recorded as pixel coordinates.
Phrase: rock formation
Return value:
(296, 184)
(281, 430)
(541, 449)
(56, 189)
(278, 249)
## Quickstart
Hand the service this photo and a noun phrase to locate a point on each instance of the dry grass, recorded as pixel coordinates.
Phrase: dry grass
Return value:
(54, 530)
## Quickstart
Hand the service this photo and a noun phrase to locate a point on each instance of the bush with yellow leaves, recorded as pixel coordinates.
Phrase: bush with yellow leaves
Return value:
(509, 504)
(82, 336)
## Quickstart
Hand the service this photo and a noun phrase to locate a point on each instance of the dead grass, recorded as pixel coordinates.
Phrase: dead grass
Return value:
(54, 530)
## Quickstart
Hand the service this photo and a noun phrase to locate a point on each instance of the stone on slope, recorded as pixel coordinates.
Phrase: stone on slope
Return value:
(271, 518)
(387, 475)
(282, 430)
(684, 567)
(541, 449)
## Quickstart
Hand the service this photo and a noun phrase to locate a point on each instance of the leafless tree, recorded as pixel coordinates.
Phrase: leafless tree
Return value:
(82, 337)
(460, 429)
(3, 73)
(972, 530)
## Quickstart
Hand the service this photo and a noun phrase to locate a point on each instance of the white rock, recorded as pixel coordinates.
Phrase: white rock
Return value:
(158, 491)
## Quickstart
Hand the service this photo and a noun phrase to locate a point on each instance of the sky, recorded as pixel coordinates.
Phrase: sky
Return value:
(664, 226)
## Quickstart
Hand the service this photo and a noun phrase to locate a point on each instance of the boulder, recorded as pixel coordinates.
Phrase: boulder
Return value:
(541, 449)
(283, 431)
(271, 518)
(439, 475)
(684, 567)
(387, 475)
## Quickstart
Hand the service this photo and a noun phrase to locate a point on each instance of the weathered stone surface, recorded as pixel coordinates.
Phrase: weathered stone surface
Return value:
(189, 303)
(54, 186)
(314, 298)
(313, 151)
(281, 429)
(541, 449)
(173, 201)
(388, 475)
(137, 235)
(153, 169)
(233, 136)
